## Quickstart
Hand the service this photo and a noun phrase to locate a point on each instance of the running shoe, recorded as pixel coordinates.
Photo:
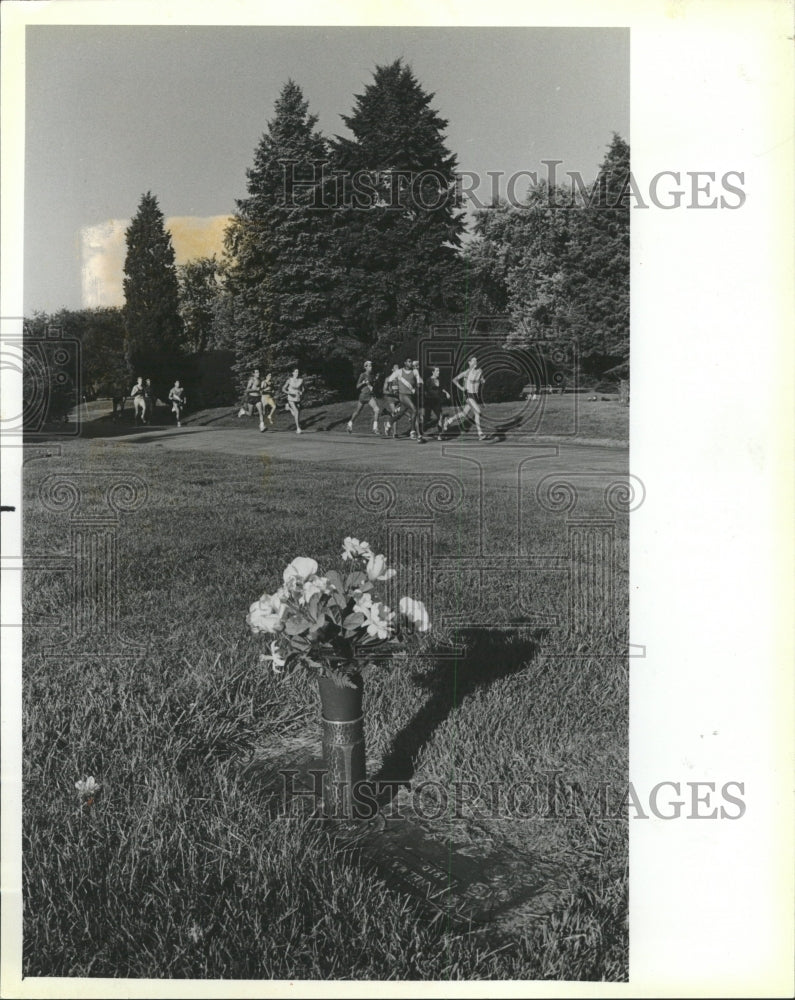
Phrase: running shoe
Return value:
(376, 430)
(261, 426)
(349, 427)
(413, 435)
(241, 413)
(298, 430)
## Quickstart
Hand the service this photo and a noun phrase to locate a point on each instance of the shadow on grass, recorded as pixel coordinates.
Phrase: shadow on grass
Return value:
(490, 655)
(312, 419)
(100, 427)
(335, 423)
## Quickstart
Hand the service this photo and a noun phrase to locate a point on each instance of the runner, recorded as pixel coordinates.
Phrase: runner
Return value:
(408, 383)
(139, 403)
(251, 395)
(266, 400)
(473, 380)
(391, 407)
(176, 396)
(149, 401)
(434, 400)
(294, 387)
(365, 386)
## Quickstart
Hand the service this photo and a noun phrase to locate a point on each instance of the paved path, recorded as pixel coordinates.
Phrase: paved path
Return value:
(499, 460)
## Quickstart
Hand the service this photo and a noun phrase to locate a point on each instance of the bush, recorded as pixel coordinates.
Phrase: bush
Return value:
(504, 387)
(317, 392)
(210, 381)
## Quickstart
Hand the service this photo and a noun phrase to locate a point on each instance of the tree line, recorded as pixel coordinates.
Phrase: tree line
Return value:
(348, 247)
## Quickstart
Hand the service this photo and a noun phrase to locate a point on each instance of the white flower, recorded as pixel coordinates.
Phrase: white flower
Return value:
(88, 787)
(314, 585)
(416, 613)
(376, 569)
(379, 620)
(275, 657)
(265, 615)
(300, 570)
(363, 603)
(352, 547)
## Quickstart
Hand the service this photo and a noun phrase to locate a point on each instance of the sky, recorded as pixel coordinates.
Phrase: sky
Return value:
(113, 112)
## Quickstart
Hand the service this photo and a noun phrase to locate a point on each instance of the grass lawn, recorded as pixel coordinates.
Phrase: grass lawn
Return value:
(178, 870)
(566, 416)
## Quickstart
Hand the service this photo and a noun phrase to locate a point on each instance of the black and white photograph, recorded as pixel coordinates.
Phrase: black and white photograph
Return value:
(395, 549)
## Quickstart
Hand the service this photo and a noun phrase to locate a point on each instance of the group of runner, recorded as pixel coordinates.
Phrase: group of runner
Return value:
(143, 399)
(400, 396)
(403, 393)
(258, 397)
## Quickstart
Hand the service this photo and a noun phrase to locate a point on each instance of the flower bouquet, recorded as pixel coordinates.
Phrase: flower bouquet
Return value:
(330, 623)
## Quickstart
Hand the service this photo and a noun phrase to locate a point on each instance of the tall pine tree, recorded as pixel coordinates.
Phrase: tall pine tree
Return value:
(276, 273)
(399, 229)
(597, 266)
(153, 327)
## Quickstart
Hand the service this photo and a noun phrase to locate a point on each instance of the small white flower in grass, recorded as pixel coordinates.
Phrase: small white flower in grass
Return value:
(416, 613)
(266, 614)
(275, 658)
(377, 571)
(300, 570)
(87, 787)
(352, 547)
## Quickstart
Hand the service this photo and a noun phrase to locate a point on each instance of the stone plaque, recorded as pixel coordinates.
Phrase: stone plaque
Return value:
(464, 873)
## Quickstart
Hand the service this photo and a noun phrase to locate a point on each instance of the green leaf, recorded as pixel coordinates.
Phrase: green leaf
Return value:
(337, 595)
(340, 679)
(296, 626)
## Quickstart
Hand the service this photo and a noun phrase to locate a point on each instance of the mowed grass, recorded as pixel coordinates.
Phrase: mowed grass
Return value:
(179, 870)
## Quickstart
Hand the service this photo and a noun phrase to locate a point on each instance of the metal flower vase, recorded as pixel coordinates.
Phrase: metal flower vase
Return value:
(343, 745)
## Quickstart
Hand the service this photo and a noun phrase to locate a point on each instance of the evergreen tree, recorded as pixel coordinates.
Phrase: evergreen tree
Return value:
(398, 223)
(277, 282)
(152, 322)
(597, 266)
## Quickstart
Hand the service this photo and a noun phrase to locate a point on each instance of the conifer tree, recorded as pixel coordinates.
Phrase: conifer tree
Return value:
(400, 229)
(597, 266)
(153, 328)
(276, 248)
